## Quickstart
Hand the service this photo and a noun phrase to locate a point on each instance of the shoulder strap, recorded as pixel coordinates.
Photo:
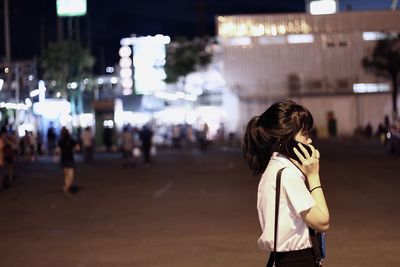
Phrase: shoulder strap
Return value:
(277, 197)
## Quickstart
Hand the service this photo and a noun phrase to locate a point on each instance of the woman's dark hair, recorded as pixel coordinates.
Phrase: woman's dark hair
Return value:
(275, 128)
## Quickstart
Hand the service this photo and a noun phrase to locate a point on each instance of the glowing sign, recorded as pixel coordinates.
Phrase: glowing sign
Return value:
(323, 7)
(370, 87)
(231, 27)
(71, 8)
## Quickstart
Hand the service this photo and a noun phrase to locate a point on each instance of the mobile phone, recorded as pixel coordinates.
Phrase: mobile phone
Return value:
(288, 150)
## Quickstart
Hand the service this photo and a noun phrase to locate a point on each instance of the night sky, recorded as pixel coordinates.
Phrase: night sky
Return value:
(33, 22)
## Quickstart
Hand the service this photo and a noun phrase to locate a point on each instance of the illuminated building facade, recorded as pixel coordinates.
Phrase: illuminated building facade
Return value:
(314, 59)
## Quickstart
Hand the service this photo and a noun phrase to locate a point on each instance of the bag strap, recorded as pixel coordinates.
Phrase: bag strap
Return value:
(277, 197)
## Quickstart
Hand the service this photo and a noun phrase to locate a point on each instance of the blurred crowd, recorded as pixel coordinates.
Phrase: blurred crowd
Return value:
(136, 145)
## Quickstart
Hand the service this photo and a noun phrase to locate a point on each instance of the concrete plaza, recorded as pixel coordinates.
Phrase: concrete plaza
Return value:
(191, 208)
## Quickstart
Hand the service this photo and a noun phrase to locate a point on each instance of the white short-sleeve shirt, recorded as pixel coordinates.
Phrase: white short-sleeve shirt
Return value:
(293, 233)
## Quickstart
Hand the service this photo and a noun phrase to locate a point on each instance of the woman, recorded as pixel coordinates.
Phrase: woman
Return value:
(67, 145)
(266, 148)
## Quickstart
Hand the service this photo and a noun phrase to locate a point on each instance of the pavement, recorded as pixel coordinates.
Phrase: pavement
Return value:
(191, 208)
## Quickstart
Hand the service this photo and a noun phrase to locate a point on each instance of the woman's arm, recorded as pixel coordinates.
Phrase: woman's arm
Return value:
(316, 217)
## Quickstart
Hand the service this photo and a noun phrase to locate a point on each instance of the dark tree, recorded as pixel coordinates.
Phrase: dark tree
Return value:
(385, 62)
(186, 56)
(65, 62)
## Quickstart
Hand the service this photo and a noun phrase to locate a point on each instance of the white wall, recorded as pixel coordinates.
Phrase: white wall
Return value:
(351, 110)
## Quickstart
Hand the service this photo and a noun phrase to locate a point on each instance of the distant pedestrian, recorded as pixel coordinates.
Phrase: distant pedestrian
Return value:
(39, 143)
(87, 144)
(107, 138)
(332, 124)
(270, 150)
(67, 146)
(1, 159)
(51, 140)
(368, 130)
(146, 136)
(203, 137)
(9, 158)
(128, 144)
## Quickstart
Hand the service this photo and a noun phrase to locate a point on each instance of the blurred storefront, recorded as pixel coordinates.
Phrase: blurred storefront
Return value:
(314, 59)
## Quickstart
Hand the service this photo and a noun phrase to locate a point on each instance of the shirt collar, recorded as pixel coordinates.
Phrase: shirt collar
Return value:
(287, 162)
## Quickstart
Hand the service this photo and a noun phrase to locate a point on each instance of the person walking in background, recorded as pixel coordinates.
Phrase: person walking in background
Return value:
(39, 143)
(275, 143)
(128, 144)
(51, 140)
(87, 144)
(332, 124)
(108, 138)
(9, 157)
(1, 159)
(146, 136)
(67, 146)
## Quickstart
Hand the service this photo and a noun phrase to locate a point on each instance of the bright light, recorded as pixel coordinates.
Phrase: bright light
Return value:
(126, 73)
(300, 38)
(133, 118)
(100, 81)
(39, 92)
(127, 91)
(86, 119)
(6, 70)
(125, 62)
(72, 85)
(30, 77)
(19, 106)
(65, 119)
(108, 123)
(125, 51)
(109, 69)
(127, 83)
(24, 127)
(58, 94)
(114, 80)
(52, 108)
(191, 97)
(373, 36)
(166, 96)
(11, 106)
(70, 8)
(28, 102)
(173, 115)
(191, 117)
(1, 83)
(271, 40)
(370, 87)
(323, 7)
(238, 41)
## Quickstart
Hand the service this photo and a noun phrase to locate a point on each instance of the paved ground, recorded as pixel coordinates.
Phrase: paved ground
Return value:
(191, 209)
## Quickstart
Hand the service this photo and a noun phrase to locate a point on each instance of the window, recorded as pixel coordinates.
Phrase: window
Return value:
(238, 41)
(330, 44)
(300, 38)
(272, 40)
(370, 87)
(373, 36)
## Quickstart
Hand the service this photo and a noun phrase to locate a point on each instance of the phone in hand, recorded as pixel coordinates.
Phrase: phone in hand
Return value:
(288, 150)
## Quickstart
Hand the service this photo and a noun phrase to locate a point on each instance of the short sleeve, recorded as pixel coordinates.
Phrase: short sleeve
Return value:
(296, 190)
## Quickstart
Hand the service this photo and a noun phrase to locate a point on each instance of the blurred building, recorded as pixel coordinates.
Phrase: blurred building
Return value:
(313, 59)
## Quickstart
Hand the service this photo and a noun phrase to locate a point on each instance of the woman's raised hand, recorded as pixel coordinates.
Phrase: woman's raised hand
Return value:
(309, 163)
